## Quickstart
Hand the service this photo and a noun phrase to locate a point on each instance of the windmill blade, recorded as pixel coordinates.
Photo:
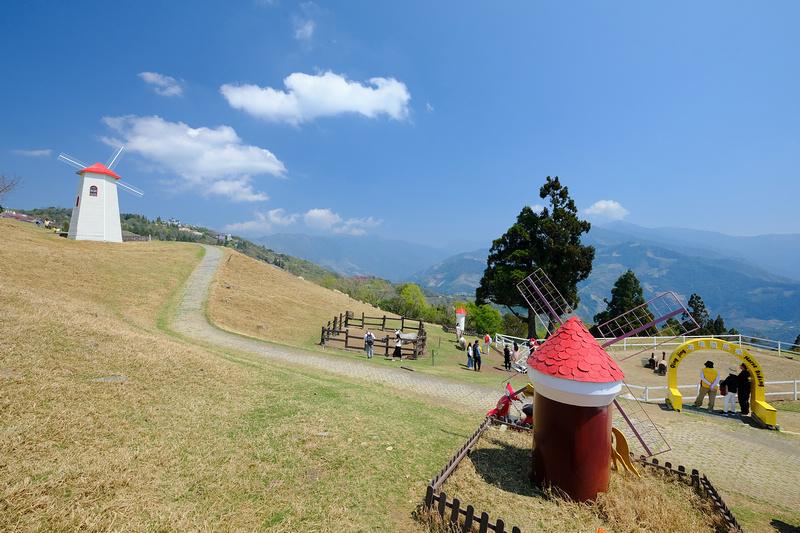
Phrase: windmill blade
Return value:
(641, 431)
(72, 161)
(544, 299)
(664, 310)
(130, 189)
(115, 157)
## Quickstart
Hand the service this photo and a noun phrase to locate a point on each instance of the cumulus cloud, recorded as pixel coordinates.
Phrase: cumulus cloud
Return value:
(263, 222)
(34, 153)
(607, 209)
(163, 85)
(309, 97)
(327, 220)
(213, 161)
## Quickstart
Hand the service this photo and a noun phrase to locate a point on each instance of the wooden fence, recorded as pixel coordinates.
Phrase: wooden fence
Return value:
(434, 494)
(383, 323)
(337, 331)
(436, 499)
(703, 486)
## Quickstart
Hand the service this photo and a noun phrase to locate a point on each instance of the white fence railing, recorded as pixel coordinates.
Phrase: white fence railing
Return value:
(781, 349)
(653, 394)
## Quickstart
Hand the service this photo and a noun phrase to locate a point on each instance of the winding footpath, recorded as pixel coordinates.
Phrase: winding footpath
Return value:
(736, 457)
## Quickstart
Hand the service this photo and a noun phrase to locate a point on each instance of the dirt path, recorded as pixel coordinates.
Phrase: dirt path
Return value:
(737, 457)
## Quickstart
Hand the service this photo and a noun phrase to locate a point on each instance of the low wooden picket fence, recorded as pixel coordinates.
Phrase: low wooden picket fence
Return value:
(434, 494)
(436, 499)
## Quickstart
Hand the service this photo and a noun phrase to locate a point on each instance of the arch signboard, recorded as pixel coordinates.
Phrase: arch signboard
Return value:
(758, 405)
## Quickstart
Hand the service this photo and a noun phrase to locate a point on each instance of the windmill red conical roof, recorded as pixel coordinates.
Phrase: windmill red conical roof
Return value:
(461, 311)
(572, 353)
(99, 168)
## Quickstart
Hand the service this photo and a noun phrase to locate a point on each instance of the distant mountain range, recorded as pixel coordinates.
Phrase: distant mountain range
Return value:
(752, 282)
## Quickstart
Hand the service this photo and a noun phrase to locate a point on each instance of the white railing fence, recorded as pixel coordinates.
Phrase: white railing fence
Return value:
(659, 394)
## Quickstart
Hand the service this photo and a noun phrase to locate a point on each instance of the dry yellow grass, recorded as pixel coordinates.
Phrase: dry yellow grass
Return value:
(193, 438)
(108, 423)
(495, 478)
(262, 301)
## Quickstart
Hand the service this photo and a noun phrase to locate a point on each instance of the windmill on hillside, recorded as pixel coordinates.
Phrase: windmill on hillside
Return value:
(95, 216)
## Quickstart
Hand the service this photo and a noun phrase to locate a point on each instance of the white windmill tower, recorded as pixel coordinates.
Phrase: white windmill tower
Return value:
(95, 216)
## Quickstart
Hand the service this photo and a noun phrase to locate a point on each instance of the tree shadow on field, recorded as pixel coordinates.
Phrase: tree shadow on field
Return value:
(783, 527)
(507, 467)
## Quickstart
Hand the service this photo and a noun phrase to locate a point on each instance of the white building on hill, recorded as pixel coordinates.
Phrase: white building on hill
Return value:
(95, 216)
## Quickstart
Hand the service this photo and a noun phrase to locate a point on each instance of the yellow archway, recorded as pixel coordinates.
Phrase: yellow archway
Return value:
(758, 405)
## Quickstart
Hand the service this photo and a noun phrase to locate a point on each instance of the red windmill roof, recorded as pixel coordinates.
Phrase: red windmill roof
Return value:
(461, 311)
(99, 168)
(572, 353)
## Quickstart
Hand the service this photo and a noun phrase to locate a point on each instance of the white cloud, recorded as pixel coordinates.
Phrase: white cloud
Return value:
(321, 218)
(212, 161)
(327, 220)
(537, 208)
(263, 222)
(34, 153)
(607, 209)
(304, 30)
(308, 97)
(164, 85)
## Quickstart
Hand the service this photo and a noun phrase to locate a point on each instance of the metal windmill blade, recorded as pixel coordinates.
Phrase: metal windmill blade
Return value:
(68, 159)
(544, 298)
(645, 319)
(112, 162)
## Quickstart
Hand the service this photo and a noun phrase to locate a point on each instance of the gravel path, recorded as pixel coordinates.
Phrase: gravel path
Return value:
(736, 457)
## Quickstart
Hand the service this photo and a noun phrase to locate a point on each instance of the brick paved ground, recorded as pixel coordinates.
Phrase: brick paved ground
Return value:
(737, 457)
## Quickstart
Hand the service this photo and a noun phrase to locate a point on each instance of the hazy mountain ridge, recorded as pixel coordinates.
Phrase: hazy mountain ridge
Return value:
(357, 256)
(749, 293)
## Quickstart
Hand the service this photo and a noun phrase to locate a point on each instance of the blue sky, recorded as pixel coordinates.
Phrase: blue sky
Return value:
(434, 122)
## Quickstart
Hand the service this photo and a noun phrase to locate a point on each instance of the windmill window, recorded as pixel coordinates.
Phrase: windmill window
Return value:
(93, 190)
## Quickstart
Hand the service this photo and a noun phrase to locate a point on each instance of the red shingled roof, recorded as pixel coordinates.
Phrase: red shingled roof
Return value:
(572, 353)
(99, 168)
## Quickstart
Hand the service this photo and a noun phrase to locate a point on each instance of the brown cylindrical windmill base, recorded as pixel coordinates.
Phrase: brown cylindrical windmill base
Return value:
(572, 447)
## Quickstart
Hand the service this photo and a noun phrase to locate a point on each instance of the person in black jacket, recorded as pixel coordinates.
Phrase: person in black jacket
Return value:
(731, 384)
(744, 389)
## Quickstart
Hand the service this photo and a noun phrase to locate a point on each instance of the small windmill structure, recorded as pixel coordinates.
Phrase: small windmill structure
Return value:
(95, 216)
(576, 383)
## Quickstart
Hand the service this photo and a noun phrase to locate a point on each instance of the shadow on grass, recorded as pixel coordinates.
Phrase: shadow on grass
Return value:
(783, 527)
(506, 467)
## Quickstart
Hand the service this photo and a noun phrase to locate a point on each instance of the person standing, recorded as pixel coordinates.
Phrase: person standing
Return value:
(398, 347)
(487, 340)
(369, 341)
(744, 389)
(709, 381)
(476, 356)
(515, 352)
(506, 358)
(731, 384)
(469, 355)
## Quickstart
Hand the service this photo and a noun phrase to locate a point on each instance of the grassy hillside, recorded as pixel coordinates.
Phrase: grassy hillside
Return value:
(111, 422)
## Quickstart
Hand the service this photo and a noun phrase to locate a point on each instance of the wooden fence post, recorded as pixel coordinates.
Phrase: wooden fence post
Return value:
(469, 517)
(456, 508)
(429, 497)
(346, 336)
(442, 503)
